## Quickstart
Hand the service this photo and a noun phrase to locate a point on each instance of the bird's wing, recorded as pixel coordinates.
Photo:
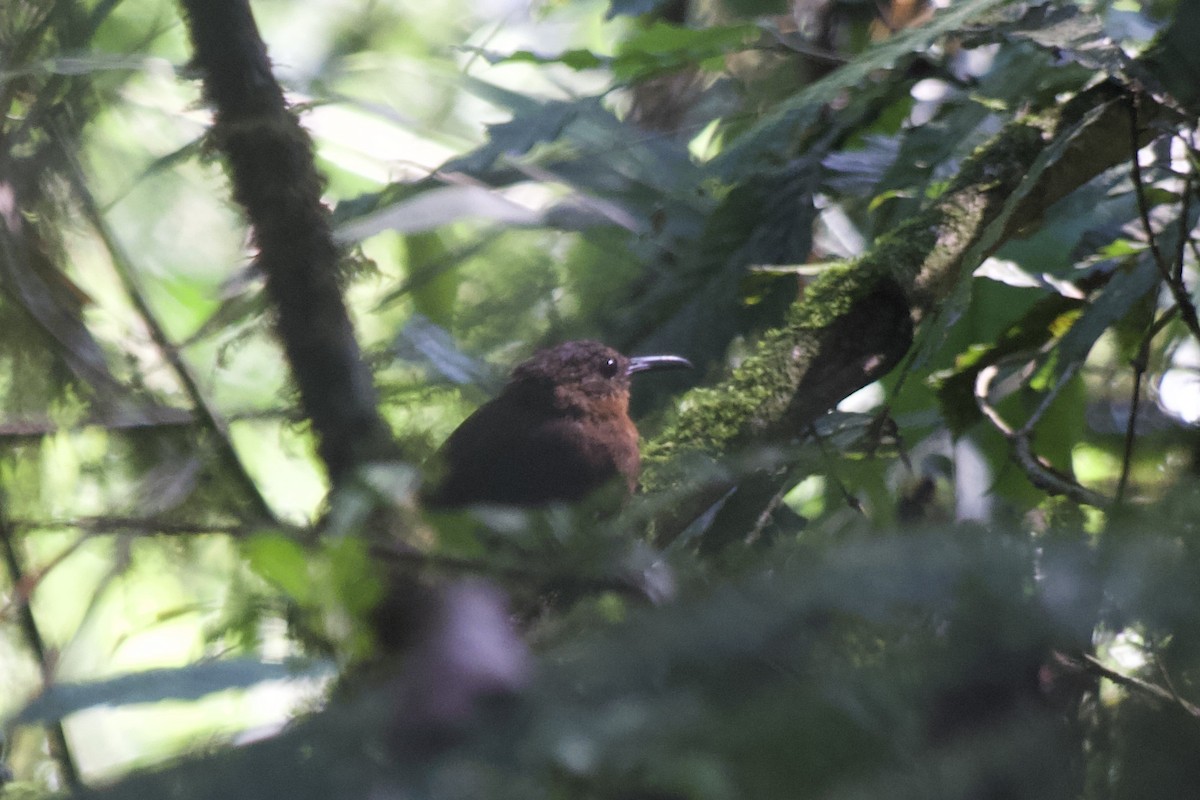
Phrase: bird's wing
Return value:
(504, 454)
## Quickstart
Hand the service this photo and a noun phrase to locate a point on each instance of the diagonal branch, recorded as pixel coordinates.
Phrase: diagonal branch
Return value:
(855, 323)
(1039, 471)
(208, 414)
(60, 749)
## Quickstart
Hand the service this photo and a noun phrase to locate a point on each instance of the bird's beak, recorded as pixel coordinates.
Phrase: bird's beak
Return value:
(646, 363)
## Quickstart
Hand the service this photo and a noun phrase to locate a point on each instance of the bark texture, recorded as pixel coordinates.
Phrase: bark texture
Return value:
(271, 167)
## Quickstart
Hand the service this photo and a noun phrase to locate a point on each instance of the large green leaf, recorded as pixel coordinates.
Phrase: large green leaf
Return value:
(1175, 60)
(152, 686)
(774, 134)
(651, 50)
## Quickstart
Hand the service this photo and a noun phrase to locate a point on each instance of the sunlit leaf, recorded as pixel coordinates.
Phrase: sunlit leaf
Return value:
(434, 283)
(661, 47)
(152, 686)
(282, 561)
(436, 208)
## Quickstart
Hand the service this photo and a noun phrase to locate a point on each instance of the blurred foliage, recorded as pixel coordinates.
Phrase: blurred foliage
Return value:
(913, 615)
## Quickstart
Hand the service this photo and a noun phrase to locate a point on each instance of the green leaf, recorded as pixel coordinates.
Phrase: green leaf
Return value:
(575, 59)
(997, 229)
(955, 388)
(434, 207)
(650, 50)
(1123, 293)
(633, 8)
(1065, 31)
(661, 47)
(1175, 60)
(532, 124)
(434, 347)
(1119, 295)
(434, 284)
(1121, 248)
(775, 132)
(156, 685)
(282, 561)
(354, 574)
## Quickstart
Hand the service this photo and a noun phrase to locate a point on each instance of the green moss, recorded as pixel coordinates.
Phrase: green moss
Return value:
(759, 391)
(924, 256)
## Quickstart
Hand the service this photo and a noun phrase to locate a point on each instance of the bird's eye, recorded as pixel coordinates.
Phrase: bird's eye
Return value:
(609, 368)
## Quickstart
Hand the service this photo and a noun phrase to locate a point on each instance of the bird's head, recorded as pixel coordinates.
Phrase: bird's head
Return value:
(586, 371)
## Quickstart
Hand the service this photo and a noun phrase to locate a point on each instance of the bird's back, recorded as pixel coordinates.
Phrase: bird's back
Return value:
(558, 431)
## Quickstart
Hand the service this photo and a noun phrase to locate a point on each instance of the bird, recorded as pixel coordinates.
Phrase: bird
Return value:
(558, 431)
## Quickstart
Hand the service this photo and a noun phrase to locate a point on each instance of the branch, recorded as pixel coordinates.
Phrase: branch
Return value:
(27, 582)
(522, 576)
(1140, 364)
(149, 526)
(1093, 665)
(855, 322)
(271, 167)
(205, 410)
(142, 419)
(1039, 471)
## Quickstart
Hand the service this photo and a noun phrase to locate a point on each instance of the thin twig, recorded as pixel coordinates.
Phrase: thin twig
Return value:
(1067, 374)
(1140, 364)
(93, 526)
(1179, 293)
(1184, 229)
(1039, 471)
(1166, 677)
(143, 419)
(207, 412)
(48, 98)
(29, 581)
(521, 575)
(1139, 371)
(1093, 664)
(831, 470)
(145, 525)
(60, 749)
(983, 390)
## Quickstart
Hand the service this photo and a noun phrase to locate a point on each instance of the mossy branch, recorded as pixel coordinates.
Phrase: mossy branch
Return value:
(855, 322)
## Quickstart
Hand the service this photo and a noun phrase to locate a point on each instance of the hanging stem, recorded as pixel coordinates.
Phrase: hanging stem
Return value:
(60, 750)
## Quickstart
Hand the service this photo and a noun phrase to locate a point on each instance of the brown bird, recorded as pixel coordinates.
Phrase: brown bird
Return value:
(558, 431)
